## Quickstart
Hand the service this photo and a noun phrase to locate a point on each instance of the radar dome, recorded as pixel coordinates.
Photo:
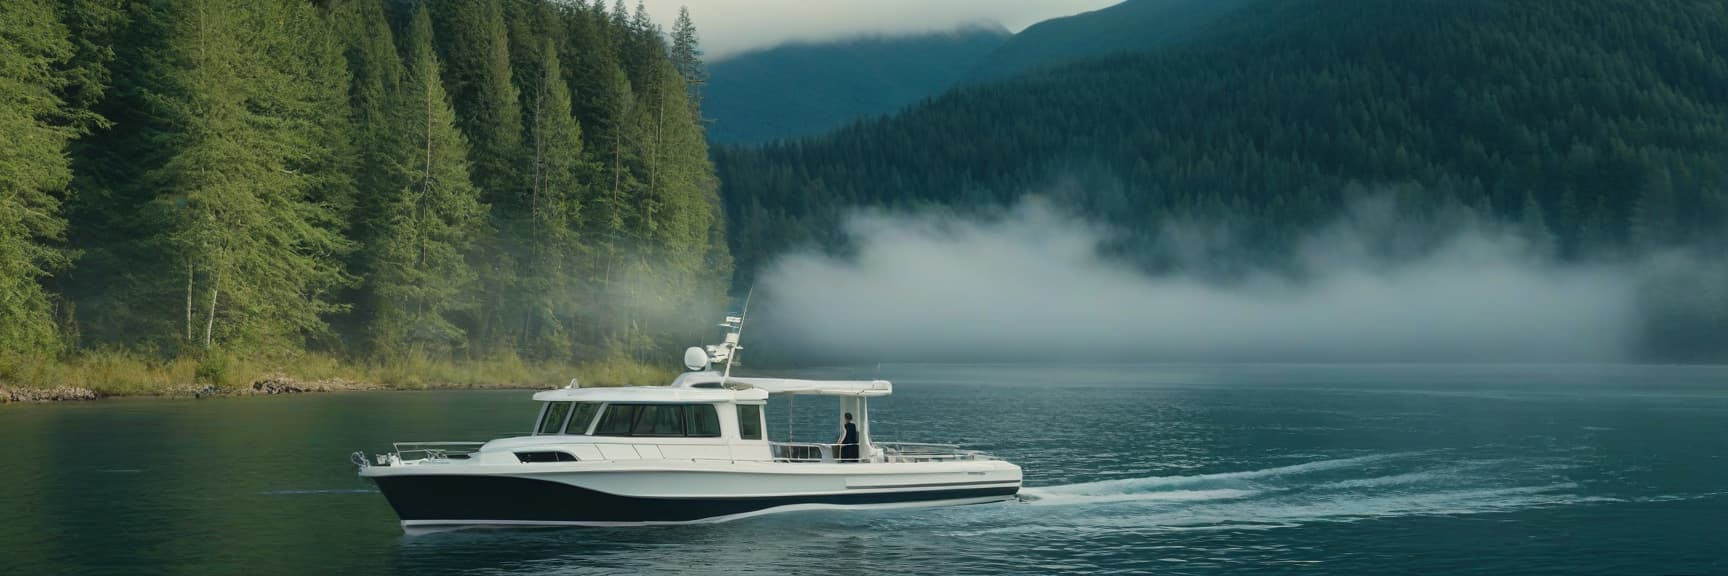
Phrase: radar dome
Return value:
(695, 358)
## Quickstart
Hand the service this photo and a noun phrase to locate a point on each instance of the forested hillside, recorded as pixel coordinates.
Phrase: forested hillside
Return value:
(448, 180)
(805, 89)
(1131, 26)
(1599, 125)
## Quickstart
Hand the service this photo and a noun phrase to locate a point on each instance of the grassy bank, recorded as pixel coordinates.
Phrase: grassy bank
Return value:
(119, 373)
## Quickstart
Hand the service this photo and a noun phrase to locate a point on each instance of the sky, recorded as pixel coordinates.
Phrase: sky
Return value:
(729, 27)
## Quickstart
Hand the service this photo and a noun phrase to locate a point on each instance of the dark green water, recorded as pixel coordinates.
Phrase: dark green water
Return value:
(1131, 469)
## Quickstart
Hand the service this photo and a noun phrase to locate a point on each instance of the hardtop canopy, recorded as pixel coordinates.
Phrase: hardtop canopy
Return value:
(648, 395)
(706, 387)
(710, 379)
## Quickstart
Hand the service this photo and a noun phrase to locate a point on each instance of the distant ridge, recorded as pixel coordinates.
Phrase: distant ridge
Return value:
(805, 89)
(1599, 128)
(1134, 25)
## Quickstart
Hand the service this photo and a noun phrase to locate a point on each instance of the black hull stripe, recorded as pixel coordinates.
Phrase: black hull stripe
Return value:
(933, 485)
(504, 498)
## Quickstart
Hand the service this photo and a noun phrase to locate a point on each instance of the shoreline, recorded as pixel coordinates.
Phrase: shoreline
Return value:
(99, 376)
(269, 385)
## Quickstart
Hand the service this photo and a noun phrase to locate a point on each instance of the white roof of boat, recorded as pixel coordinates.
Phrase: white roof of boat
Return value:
(705, 387)
(649, 394)
(789, 385)
(820, 387)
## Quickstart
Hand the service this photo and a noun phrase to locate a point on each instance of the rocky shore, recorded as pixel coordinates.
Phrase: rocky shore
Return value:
(269, 384)
(9, 395)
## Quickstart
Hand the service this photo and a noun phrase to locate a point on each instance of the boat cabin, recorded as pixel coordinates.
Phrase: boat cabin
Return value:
(694, 418)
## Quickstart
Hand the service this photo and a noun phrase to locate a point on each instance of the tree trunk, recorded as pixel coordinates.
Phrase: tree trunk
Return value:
(188, 302)
(210, 321)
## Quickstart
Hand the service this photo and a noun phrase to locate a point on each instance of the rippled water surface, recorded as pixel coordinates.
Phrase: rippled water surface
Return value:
(1129, 469)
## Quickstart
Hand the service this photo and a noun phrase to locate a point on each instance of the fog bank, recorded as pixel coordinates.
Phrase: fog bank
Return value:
(1033, 285)
(729, 27)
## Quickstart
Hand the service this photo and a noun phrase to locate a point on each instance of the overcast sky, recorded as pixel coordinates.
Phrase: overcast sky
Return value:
(728, 27)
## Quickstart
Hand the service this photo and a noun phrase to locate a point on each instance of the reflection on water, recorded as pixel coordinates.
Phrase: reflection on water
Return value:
(1275, 469)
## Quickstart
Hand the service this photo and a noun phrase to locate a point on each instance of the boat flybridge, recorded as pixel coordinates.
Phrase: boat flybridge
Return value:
(696, 450)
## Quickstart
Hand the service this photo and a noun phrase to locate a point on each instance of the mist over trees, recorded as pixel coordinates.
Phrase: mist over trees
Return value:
(376, 179)
(1601, 126)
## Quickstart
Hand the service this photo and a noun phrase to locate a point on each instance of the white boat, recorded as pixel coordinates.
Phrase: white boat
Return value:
(696, 450)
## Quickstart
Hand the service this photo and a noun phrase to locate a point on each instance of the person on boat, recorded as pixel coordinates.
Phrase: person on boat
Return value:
(849, 441)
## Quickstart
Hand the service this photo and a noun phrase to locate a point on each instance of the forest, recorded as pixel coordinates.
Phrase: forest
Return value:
(1598, 127)
(215, 183)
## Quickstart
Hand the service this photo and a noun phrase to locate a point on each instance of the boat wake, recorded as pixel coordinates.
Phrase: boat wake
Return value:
(1336, 490)
(1222, 485)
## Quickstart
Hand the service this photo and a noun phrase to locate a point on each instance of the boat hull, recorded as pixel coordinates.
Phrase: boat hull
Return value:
(453, 500)
(607, 494)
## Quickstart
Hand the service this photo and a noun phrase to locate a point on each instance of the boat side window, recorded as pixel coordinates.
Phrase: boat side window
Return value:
(663, 420)
(617, 419)
(553, 421)
(701, 421)
(582, 417)
(750, 421)
(659, 420)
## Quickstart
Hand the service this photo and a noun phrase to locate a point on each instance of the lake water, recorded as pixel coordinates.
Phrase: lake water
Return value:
(1129, 469)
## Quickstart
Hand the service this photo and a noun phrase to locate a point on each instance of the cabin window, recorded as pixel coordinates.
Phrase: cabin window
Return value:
(582, 417)
(659, 420)
(701, 421)
(553, 421)
(617, 419)
(750, 421)
(662, 420)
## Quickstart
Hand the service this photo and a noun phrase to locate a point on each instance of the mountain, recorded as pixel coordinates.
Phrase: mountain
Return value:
(806, 89)
(1603, 124)
(1134, 25)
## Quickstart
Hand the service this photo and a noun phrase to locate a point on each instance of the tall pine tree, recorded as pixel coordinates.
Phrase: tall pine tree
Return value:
(245, 211)
(34, 169)
(687, 59)
(474, 41)
(426, 227)
(555, 207)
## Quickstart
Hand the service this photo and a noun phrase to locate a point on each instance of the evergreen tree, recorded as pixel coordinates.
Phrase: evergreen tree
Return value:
(473, 39)
(246, 211)
(427, 225)
(1534, 227)
(687, 59)
(95, 26)
(34, 169)
(1655, 217)
(255, 143)
(376, 73)
(554, 213)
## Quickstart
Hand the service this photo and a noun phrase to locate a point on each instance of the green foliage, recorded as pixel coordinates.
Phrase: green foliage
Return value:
(686, 58)
(560, 171)
(425, 221)
(244, 207)
(282, 177)
(34, 169)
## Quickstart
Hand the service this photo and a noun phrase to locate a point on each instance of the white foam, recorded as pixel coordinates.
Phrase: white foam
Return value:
(1151, 483)
(1041, 497)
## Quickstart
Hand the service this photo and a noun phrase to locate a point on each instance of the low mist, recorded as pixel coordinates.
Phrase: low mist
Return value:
(731, 27)
(1034, 284)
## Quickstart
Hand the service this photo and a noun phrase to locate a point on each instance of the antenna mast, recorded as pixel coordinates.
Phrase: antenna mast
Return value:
(735, 338)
